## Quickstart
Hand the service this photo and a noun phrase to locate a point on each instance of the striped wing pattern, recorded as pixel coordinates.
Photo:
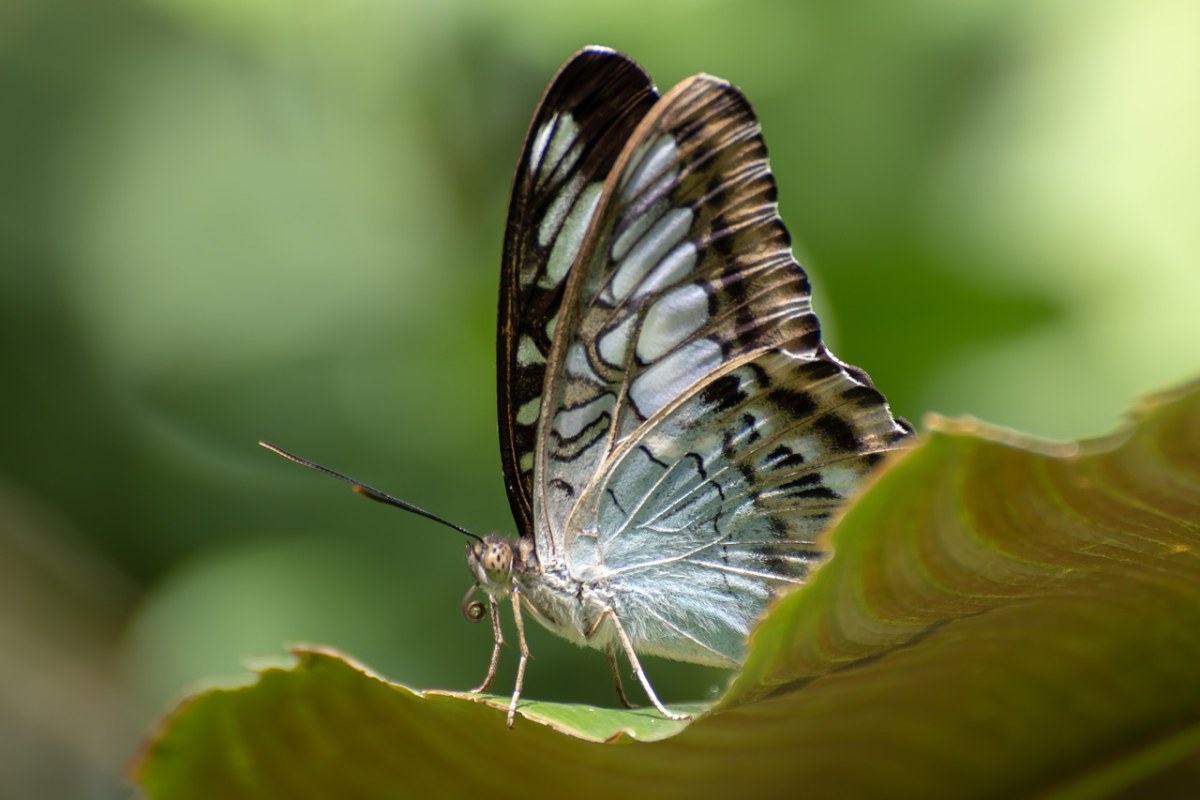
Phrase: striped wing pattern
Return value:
(693, 433)
(581, 125)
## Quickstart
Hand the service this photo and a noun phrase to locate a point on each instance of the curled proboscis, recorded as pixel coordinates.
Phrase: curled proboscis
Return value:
(473, 610)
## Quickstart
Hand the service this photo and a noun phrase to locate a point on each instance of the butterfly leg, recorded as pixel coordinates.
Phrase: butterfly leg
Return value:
(498, 637)
(613, 665)
(512, 706)
(637, 668)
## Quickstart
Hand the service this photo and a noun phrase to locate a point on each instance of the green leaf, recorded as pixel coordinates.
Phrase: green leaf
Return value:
(1000, 617)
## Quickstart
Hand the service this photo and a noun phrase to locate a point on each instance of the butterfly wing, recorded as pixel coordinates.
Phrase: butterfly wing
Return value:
(695, 433)
(704, 517)
(581, 124)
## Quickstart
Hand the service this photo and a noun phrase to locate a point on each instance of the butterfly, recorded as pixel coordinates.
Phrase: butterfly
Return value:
(674, 433)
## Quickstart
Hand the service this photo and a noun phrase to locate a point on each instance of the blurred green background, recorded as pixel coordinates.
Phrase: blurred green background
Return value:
(225, 221)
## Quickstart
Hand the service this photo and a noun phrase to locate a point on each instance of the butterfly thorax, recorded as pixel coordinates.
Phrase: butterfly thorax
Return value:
(562, 602)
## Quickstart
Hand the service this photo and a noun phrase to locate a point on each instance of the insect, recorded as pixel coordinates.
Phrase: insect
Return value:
(674, 432)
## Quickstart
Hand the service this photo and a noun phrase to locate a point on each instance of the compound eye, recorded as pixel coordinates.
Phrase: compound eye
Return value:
(498, 559)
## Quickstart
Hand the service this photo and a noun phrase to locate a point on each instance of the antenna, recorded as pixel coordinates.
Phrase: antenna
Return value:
(368, 491)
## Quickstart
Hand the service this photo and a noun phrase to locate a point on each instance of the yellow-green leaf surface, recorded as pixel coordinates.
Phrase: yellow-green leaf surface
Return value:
(999, 618)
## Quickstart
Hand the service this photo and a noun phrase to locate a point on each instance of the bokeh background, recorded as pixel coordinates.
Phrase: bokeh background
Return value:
(225, 221)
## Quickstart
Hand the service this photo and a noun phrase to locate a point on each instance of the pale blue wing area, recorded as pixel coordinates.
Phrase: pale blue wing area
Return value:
(708, 513)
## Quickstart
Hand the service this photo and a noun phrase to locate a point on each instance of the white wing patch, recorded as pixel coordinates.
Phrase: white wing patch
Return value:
(540, 140)
(668, 231)
(570, 422)
(658, 156)
(667, 379)
(673, 318)
(528, 413)
(577, 365)
(557, 211)
(570, 237)
(528, 353)
(636, 230)
(674, 267)
(551, 144)
(615, 342)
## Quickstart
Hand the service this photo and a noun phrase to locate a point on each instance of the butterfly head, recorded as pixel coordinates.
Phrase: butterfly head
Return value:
(491, 561)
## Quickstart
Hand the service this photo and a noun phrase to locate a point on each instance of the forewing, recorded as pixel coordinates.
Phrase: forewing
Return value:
(698, 432)
(584, 119)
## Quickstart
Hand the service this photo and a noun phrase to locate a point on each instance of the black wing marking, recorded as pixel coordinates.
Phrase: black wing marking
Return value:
(580, 127)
